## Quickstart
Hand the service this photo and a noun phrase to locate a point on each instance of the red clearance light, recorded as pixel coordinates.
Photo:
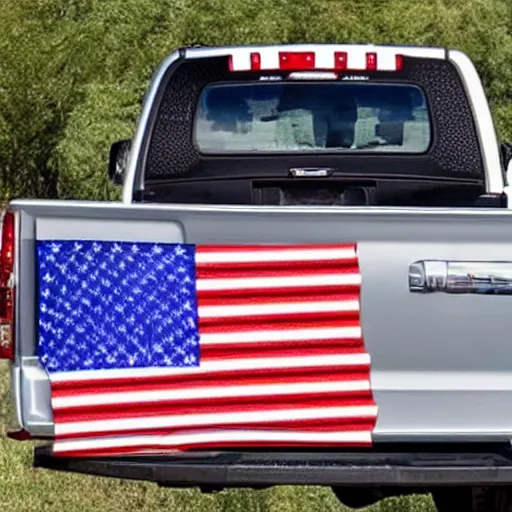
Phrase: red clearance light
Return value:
(371, 61)
(6, 287)
(399, 62)
(340, 60)
(296, 60)
(230, 63)
(255, 62)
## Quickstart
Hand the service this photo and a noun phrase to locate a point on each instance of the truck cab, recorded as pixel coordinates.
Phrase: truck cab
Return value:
(245, 128)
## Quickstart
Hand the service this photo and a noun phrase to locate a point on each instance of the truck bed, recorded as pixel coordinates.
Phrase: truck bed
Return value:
(440, 364)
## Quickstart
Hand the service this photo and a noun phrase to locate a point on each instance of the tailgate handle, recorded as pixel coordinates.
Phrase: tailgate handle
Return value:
(476, 277)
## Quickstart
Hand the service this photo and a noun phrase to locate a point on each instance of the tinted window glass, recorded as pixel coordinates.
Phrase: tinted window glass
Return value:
(292, 117)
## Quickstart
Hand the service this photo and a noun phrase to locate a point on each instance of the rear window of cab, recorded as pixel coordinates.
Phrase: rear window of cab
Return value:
(330, 117)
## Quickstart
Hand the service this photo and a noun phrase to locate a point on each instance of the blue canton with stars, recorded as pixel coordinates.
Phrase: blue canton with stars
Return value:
(106, 305)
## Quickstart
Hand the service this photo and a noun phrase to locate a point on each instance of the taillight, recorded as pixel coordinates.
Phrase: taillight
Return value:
(7, 287)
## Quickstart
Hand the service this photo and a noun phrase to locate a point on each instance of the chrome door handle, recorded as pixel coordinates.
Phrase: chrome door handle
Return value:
(479, 277)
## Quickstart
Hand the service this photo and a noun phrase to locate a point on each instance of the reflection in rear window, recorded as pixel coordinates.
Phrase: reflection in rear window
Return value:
(291, 117)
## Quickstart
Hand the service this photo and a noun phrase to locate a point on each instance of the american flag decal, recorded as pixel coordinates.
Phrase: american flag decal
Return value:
(165, 347)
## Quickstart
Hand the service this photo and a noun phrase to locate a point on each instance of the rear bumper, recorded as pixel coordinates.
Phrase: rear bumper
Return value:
(252, 469)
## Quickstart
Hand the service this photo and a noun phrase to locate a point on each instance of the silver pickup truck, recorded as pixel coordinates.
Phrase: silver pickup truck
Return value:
(307, 281)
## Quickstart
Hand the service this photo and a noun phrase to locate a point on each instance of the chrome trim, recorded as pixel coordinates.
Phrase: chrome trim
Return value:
(311, 172)
(461, 277)
(428, 276)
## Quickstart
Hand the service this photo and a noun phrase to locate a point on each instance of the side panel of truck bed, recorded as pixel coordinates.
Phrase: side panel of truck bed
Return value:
(441, 367)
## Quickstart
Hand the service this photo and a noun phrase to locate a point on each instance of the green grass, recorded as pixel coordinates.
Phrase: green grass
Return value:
(25, 489)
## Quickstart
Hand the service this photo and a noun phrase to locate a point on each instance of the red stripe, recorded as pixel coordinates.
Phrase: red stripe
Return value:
(276, 320)
(329, 425)
(198, 382)
(285, 326)
(198, 403)
(277, 267)
(200, 249)
(154, 410)
(290, 291)
(162, 449)
(233, 350)
(311, 269)
(358, 424)
(314, 370)
(220, 300)
(298, 425)
(278, 352)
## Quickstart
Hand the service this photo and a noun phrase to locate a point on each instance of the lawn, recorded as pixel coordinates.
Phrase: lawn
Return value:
(23, 489)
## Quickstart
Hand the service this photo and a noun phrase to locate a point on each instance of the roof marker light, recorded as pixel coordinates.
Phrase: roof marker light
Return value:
(296, 60)
(399, 62)
(371, 61)
(255, 62)
(340, 60)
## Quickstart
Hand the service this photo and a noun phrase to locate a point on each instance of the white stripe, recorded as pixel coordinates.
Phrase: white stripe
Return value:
(357, 59)
(232, 365)
(213, 437)
(214, 418)
(147, 397)
(244, 256)
(222, 338)
(244, 283)
(277, 308)
(386, 60)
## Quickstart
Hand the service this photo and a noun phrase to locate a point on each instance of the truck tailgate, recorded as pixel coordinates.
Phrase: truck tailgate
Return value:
(377, 363)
